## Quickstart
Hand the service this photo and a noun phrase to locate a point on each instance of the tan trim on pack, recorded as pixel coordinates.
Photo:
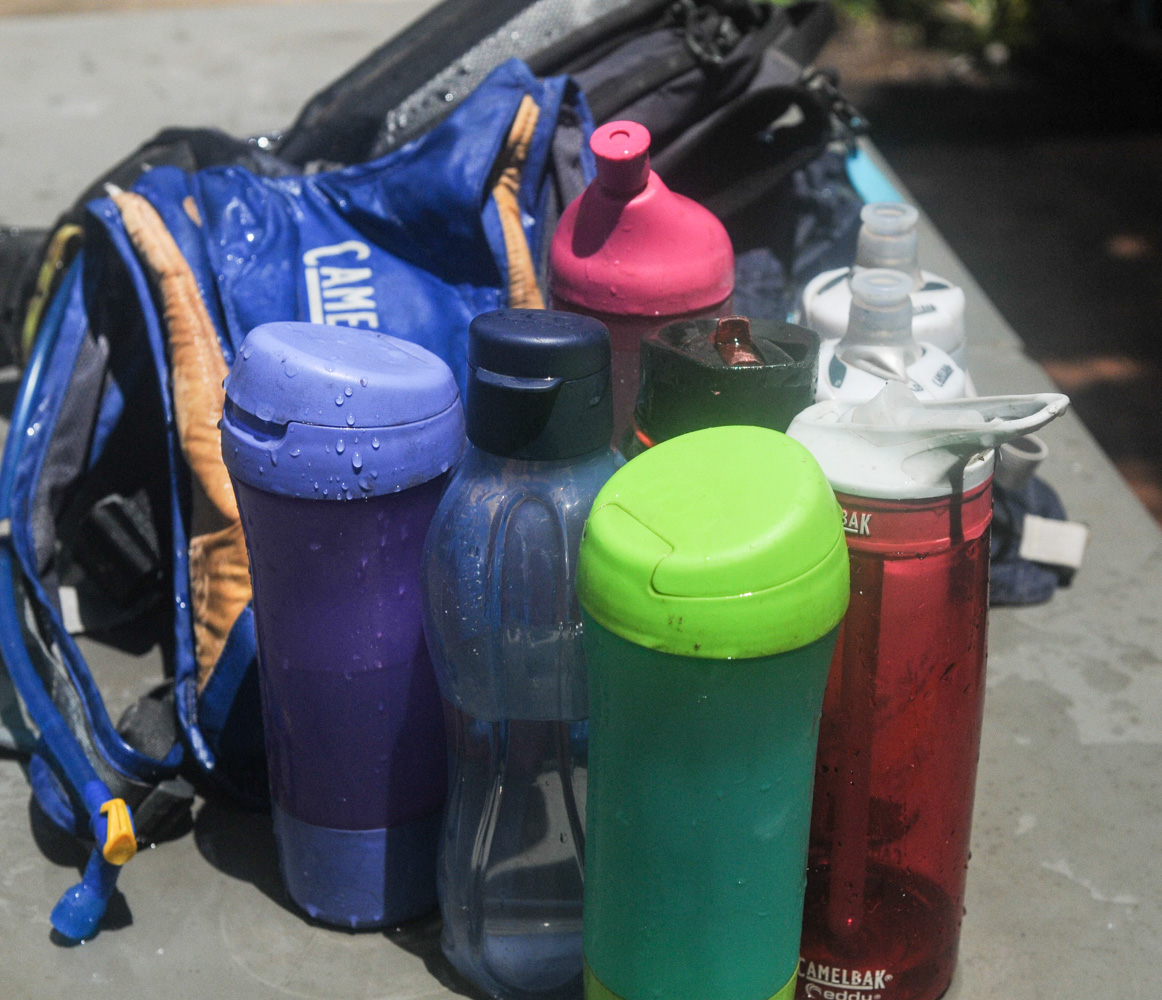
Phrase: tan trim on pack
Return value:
(523, 292)
(219, 576)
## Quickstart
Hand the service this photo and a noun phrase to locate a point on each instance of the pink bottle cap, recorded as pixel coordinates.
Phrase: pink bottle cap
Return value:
(629, 246)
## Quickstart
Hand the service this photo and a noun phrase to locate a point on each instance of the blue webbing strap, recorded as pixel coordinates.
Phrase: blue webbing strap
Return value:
(867, 179)
(80, 909)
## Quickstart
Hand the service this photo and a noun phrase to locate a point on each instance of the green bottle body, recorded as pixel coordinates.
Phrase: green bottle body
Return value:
(700, 782)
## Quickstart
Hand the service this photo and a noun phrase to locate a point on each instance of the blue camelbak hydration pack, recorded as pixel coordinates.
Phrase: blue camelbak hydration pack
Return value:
(112, 506)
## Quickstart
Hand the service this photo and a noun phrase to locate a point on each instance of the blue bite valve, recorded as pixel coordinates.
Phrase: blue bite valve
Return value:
(81, 908)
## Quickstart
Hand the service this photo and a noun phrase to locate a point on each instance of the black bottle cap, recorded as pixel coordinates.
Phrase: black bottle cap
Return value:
(538, 384)
(711, 373)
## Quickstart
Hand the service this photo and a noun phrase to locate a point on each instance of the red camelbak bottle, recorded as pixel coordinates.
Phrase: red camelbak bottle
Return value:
(636, 255)
(900, 733)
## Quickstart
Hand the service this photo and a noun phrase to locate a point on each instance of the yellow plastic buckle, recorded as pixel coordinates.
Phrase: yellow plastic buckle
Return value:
(120, 841)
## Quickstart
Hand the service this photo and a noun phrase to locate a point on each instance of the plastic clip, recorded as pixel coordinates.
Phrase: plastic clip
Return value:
(848, 123)
(710, 35)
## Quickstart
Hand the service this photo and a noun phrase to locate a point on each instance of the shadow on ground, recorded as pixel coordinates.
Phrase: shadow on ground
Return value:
(241, 844)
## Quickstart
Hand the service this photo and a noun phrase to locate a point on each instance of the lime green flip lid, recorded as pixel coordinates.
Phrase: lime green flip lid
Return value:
(725, 543)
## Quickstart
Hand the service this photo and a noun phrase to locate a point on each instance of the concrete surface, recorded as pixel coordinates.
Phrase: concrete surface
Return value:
(77, 93)
(1065, 883)
(1065, 886)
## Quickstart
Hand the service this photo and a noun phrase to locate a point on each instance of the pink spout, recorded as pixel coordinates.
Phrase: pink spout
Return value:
(622, 150)
(636, 255)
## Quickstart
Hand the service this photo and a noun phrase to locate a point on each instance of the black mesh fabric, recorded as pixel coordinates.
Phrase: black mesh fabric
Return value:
(68, 450)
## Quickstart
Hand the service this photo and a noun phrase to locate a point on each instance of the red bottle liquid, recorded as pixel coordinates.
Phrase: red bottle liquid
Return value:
(637, 256)
(900, 733)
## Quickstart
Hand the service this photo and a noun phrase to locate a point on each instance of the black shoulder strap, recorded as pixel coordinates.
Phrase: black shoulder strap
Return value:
(809, 24)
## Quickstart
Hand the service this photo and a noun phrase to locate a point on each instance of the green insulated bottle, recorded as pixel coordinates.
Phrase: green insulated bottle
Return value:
(712, 578)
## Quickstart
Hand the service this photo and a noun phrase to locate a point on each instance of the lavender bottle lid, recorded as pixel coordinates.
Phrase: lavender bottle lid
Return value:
(338, 413)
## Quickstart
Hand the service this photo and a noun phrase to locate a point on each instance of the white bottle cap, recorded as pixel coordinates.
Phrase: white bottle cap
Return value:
(898, 447)
(1017, 461)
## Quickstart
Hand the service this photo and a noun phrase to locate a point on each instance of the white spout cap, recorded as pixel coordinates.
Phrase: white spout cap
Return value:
(1018, 460)
(879, 328)
(887, 238)
(897, 447)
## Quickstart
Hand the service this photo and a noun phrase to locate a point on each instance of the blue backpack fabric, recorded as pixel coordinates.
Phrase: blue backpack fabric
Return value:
(454, 218)
(419, 220)
(411, 244)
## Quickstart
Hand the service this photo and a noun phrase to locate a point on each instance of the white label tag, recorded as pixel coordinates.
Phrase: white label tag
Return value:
(71, 611)
(1056, 543)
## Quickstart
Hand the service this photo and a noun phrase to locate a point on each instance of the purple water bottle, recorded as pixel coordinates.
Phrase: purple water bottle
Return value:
(338, 442)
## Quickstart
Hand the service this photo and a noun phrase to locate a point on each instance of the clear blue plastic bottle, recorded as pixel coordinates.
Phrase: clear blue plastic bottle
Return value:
(504, 630)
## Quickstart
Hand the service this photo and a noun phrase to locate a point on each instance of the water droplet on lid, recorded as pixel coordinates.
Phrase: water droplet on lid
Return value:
(246, 351)
(350, 419)
(347, 391)
(340, 447)
(357, 461)
(365, 484)
(290, 371)
(264, 412)
(295, 452)
(363, 382)
(274, 458)
(374, 473)
(375, 442)
(338, 400)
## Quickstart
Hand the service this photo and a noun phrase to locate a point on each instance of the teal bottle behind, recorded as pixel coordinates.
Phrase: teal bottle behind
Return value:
(712, 578)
